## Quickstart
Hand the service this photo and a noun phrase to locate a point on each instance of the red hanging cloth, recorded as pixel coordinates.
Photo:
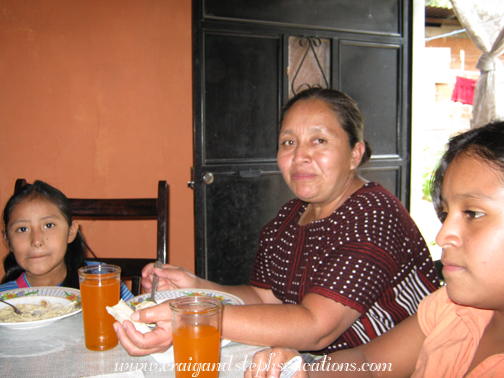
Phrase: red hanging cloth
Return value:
(464, 90)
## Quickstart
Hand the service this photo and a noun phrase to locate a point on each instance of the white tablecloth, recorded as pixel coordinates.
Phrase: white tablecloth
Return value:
(58, 350)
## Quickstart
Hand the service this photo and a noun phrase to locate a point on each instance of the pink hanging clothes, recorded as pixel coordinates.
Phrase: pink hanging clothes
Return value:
(464, 90)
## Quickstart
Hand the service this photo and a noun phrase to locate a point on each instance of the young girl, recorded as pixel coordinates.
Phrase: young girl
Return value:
(46, 246)
(458, 330)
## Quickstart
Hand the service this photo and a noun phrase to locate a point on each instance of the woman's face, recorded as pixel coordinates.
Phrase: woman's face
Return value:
(472, 235)
(314, 154)
(38, 235)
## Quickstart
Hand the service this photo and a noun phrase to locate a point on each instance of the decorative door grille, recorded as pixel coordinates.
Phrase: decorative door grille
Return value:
(309, 63)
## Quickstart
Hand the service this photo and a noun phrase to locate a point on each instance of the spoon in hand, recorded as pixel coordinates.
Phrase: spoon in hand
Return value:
(16, 310)
(155, 280)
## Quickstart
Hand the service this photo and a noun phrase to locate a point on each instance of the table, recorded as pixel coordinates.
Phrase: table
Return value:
(58, 350)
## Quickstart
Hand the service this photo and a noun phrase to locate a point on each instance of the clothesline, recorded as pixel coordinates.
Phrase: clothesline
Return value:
(445, 35)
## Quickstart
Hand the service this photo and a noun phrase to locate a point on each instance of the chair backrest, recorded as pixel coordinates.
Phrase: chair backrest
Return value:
(126, 209)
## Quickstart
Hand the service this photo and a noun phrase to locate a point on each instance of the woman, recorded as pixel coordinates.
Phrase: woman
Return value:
(339, 265)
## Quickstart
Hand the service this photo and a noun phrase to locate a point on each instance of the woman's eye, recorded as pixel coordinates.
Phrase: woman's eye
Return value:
(320, 140)
(287, 143)
(22, 229)
(473, 214)
(49, 225)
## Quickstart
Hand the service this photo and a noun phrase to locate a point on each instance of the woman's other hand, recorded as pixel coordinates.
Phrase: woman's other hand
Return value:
(170, 277)
(157, 341)
(268, 363)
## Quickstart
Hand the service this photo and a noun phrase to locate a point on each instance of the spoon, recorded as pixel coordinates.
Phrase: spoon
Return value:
(16, 310)
(155, 279)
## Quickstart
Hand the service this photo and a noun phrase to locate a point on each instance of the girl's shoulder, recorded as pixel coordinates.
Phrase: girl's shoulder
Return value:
(11, 285)
(436, 308)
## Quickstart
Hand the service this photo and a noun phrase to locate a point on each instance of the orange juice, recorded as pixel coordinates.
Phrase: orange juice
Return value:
(97, 292)
(198, 345)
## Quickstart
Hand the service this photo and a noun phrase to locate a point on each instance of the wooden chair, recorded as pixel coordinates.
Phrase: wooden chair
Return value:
(126, 209)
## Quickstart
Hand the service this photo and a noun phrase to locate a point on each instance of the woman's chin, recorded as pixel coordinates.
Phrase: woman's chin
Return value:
(305, 198)
(304, 195)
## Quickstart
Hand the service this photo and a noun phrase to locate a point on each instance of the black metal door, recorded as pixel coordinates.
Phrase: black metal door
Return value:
(241, 79)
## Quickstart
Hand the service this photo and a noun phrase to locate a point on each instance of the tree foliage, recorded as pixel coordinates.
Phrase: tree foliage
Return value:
(439, 3)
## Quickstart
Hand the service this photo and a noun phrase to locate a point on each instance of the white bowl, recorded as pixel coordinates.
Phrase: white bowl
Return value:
(34, 296)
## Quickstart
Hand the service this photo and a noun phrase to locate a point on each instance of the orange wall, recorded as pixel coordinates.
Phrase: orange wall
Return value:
(96, 99)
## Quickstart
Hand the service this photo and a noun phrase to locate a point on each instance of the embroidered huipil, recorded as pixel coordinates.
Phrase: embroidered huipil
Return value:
(368, 255)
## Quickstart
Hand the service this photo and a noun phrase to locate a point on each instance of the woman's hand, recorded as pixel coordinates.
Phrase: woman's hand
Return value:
(157, 341)
(268, 363)
(170, 277)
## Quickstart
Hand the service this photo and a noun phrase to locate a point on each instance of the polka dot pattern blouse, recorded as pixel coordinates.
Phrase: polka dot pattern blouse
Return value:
(368, 255)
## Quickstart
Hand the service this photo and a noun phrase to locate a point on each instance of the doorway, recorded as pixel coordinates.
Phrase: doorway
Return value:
(442, 52)
(242, 76)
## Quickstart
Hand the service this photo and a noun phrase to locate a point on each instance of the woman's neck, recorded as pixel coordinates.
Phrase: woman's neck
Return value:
(315, 212)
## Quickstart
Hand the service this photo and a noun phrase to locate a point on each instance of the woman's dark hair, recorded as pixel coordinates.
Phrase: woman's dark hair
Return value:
(76, 250)
(485, 143)
(346, 110)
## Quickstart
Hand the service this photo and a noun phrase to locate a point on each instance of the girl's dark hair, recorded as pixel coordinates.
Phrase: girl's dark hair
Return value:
(76, 250)
(346, 110)
(485, 143)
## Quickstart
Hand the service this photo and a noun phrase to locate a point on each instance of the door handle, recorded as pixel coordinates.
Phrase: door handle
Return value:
(249, 173)
(209, 177)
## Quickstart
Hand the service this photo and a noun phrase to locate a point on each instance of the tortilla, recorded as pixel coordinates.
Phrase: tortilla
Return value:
(122, 312)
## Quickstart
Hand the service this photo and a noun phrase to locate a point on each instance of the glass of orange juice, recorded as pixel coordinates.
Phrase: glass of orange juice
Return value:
(196, 325)
(99, 287)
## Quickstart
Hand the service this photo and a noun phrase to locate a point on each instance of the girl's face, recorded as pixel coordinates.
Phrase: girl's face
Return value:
(38, 235)
(314, 154)
(472, 235)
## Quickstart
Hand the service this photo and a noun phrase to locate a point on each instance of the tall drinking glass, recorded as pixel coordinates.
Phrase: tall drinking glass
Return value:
(196, 324)
(100, 287)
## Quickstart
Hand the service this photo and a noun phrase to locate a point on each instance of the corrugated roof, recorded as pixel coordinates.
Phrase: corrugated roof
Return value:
(434, 12)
